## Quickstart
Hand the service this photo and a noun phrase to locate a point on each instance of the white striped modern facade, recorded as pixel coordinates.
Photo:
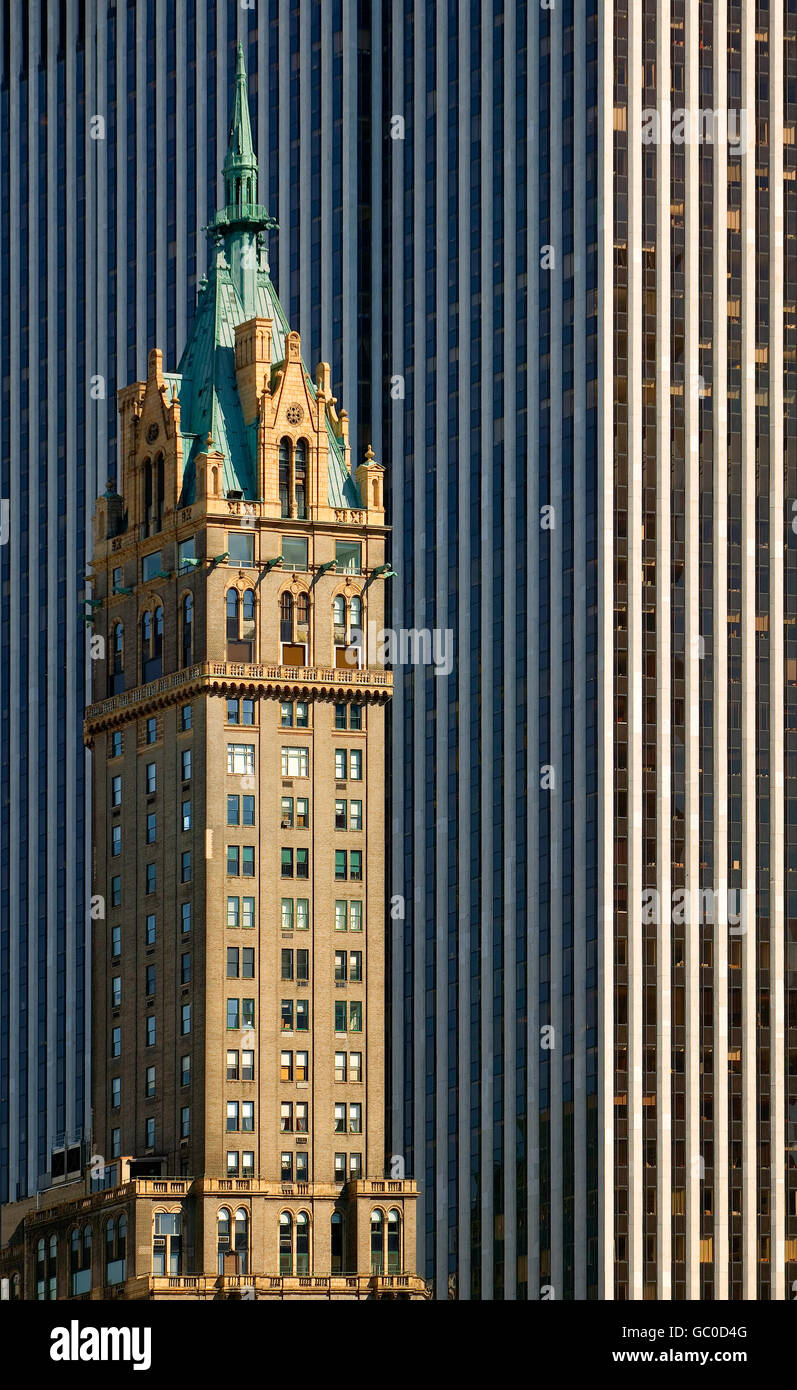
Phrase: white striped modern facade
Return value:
(643, 648)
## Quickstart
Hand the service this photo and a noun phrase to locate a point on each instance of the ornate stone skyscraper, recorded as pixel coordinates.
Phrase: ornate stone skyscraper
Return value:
(237, 742)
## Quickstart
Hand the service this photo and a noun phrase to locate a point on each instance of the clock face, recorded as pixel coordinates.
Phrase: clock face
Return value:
(294, 414)
(152, 433)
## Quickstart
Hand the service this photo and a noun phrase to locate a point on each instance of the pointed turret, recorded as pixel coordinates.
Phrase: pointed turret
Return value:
(240, 164)
(238, 225)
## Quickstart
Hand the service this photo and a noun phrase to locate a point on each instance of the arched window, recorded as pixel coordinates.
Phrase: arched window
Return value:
(214, 481)
(347, 631)
(117, 667)
(147, 499)
(152, 644)
(188, 630)
(285, 477)
(116, 1251)
(232, 615)
(160, 493)
(375, 487)
(240, 625)
(286, 616)
(294, 628)
(222, 1236)
(286, 1243)
(302, 1243)
(16, 1288)
(41, 1270)
(300, 477)
(393, 1241)
(336, 1242)
(242, 1240)
(80, 1260)
(377, 1241)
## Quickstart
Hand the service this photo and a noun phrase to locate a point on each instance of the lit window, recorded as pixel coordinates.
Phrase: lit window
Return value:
(241, 759)
(295, 762)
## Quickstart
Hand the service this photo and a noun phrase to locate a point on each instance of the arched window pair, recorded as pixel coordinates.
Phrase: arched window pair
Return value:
(347, 630)
(240, 625)
(116, 1250)
(116, 666)
(294, 629)
(380, 1240)
(233, 1241)
(154, 493)
(293, 477)
(187, 630)
(46, 1268)
(152, 644)
(294, 1242)
(80, 1260)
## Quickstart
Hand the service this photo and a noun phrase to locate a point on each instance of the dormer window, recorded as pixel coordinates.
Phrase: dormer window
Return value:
(153, 499)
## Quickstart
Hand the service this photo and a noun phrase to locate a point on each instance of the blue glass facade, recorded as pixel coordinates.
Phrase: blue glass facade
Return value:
(419, 158)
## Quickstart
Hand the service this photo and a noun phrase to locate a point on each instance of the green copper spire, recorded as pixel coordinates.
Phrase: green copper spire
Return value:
(240, 166)
(237, 288)
(237, 226)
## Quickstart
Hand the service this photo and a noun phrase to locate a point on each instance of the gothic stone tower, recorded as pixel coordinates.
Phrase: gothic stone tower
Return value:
(237, 744)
